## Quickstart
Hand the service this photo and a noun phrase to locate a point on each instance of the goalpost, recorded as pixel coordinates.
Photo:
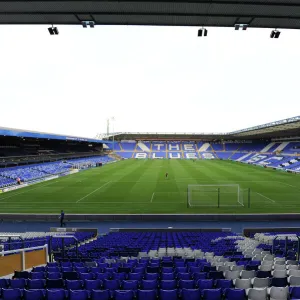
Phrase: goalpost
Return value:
(216, 195)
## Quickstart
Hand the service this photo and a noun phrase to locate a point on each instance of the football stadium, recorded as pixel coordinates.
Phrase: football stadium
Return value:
(190, 191)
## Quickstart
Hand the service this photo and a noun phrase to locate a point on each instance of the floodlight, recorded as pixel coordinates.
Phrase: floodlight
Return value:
(53, 30)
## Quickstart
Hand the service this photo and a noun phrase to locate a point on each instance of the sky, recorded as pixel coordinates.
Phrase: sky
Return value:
(150, 79)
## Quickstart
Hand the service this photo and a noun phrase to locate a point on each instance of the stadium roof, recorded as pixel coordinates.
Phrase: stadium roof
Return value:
(4, 131)
(220, 13)
(283, 129)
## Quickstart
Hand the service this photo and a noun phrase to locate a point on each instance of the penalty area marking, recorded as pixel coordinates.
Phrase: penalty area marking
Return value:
(94, 191)
(152, 197)
(266, 197)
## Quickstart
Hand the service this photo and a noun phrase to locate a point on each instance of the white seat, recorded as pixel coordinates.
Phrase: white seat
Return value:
(279, 273)
(279, 267)
(247, 274)
(257, 294)
(294, 273)
(237, 268)
(292, 267)
(294, 280)
(243, 283)
(260, 282)
(292, 262)
(265, 267)
(232, 275)
(279, 293)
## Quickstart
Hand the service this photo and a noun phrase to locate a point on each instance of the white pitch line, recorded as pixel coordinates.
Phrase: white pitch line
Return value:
(288, 184)
(152, 197)
(12, 195)
(265, 197)
(93, 191)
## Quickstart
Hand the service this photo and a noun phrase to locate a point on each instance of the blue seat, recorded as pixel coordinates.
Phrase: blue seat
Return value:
(3, 283)
(190, 294)
(168, 294)
(130, 285)
(201, 275)
(12, 294)
(167, 276)
(212, 294)
(123, 295)
(65, 264)
(119, 276)
(279, 282)
(78, 295)
(215, 275)
(139, 270)
(95, 269)
(168, 284)
(21, 274)
(74, 284)
(111, 285)
(151, 276)
(100, 295)
(223, 284)
(55, 284)
(92, 284)
(34, 294)
(263, 274)
(37, 275)
(167, 270)
(88, 276)
(56, 294)
(67, 269)
(39, 269)
(19, 283)
(135, 276)
(102, 276)
(235, 294)
(54, 275)
(208, 269)
(186, 284)
(81, 269)
(184, 276)
(153, 269)
(147, 295)
(181, 269)
(194, 269)
(205, 284)
(35, 284)
(295, 293)
(149, 284)
(53, 269)
(70, 275)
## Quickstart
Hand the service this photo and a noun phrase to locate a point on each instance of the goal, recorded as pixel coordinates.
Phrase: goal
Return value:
(215, 195)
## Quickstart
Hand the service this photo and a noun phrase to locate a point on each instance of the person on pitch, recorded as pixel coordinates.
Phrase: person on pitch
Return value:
(167, 174)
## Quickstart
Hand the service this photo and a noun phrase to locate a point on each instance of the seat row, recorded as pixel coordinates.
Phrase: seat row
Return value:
(275, 293)
(115, 284)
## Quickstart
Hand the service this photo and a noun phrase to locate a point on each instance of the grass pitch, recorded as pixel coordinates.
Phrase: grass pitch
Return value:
(140, 186)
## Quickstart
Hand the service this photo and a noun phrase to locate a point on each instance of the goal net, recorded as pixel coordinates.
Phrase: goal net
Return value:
(215, 195)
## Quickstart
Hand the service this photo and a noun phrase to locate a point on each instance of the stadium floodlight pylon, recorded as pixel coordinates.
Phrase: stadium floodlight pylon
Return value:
(216, 195)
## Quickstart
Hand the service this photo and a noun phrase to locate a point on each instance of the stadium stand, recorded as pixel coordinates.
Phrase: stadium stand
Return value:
(166, 265)
(8, 176)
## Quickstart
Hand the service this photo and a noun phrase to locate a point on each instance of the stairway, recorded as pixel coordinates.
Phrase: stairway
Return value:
(268, 147)
(244, 156)
(204, 147)
(143, 147)
(281, 146)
